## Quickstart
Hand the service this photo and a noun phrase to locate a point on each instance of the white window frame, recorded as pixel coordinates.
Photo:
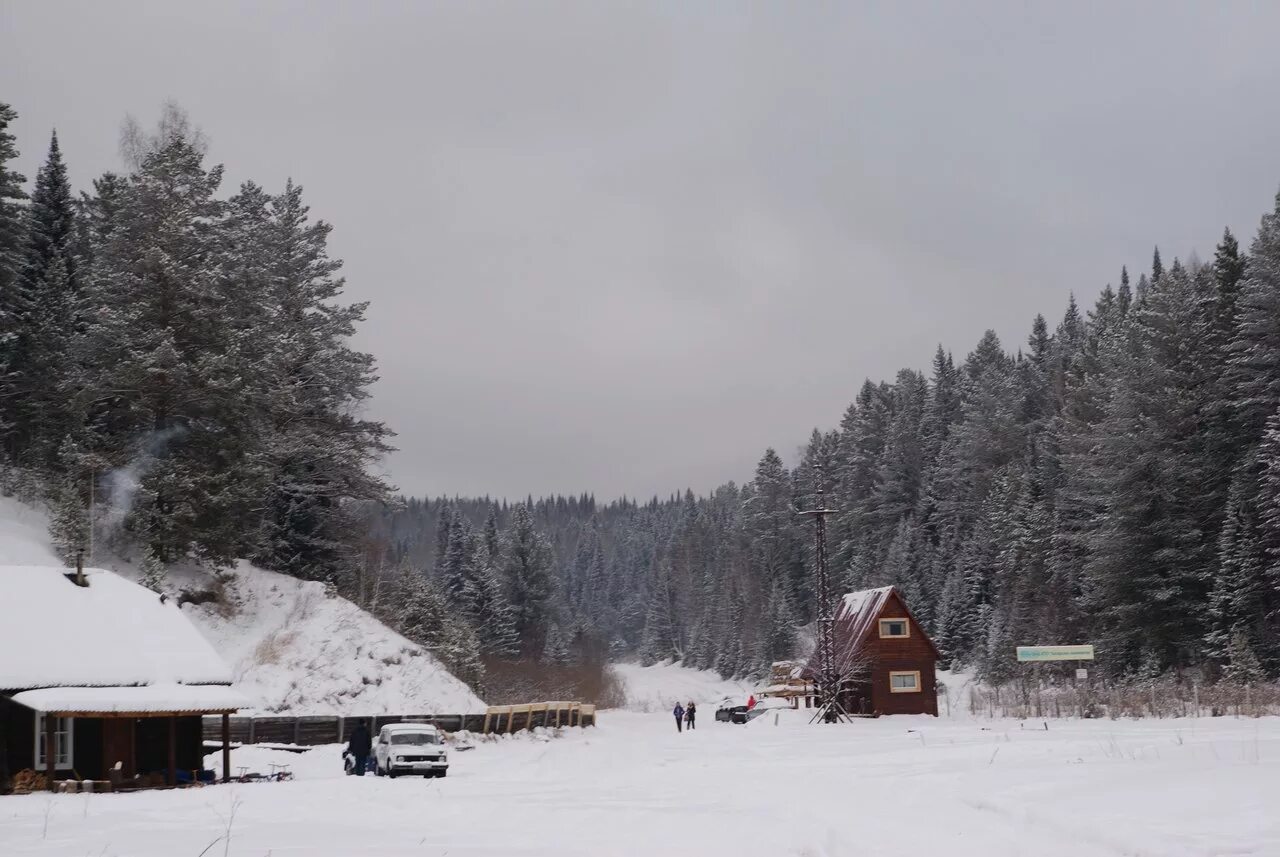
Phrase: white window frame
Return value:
(906, 623)
(63, 743)
(915, 675)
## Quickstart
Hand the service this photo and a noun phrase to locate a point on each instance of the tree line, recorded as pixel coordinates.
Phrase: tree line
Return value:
(1116, 480)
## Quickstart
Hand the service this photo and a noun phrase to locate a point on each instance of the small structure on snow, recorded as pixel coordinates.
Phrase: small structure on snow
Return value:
(787, 680)
(102, 679)
(884, 658)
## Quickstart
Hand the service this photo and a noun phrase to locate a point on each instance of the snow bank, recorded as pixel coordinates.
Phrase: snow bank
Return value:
(299, 651)
(659, 687)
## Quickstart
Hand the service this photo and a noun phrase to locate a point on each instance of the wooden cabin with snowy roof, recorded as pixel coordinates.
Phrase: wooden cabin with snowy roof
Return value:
(103, 680)
(884, 657)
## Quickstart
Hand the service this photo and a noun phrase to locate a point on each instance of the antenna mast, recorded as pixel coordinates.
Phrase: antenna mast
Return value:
(828, 679)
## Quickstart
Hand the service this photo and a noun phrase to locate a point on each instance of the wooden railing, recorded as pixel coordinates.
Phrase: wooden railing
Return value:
(510, 718)
(314, 731)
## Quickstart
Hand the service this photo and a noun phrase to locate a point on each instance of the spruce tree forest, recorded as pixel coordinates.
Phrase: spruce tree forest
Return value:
(178, 381)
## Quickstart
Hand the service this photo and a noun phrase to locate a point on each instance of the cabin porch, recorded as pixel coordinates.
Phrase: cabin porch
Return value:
(113, 749)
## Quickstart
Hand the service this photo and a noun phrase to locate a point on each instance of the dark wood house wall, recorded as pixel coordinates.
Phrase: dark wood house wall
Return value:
(142, 743)
(911, 654)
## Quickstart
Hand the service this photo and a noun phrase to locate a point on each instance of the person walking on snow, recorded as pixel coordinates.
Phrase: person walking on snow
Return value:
(689, 714)
(678, 711)
(358, 746)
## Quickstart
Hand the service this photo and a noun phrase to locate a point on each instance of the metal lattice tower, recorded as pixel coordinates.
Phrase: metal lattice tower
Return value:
(828, 683)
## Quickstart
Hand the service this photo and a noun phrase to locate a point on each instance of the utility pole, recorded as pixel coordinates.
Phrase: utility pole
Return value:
(828, 679)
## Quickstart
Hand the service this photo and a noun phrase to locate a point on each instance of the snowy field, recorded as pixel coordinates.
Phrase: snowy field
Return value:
(634, 787)
(658, 687)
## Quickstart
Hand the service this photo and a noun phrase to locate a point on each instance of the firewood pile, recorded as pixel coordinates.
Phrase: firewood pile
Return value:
(28, 781)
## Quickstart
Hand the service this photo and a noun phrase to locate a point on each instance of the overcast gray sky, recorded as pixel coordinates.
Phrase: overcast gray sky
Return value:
(624, 247)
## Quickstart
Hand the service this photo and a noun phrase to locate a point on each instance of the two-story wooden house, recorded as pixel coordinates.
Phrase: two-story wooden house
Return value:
(884, 657)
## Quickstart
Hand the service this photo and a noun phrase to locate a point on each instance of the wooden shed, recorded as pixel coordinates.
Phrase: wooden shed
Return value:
(101, 679)
(887, 659)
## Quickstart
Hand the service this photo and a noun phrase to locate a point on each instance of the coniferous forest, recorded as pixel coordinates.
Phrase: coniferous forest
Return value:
(177, 370)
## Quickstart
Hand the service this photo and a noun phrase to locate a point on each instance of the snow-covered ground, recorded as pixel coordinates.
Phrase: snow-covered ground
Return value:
(632, 786)
(659, 687)
(292, 648)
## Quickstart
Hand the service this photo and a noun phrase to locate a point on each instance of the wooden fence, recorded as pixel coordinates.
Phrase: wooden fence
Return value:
(314, 731)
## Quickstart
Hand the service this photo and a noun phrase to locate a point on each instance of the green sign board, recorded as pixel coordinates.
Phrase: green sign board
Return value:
(1055, 653)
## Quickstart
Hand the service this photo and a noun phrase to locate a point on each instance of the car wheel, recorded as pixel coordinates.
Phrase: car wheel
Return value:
(441, 773)
(391, 774)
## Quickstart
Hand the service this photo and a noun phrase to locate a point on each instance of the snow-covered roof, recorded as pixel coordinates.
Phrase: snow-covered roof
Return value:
(172, 698)
(111, 632)
(854, 617)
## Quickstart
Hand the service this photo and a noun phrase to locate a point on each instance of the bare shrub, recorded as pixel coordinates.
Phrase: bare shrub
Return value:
(1169, 696)
(515, 682)
(272, 647)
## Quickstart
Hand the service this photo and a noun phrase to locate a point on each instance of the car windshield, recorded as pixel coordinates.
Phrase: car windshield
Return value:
(415, 738)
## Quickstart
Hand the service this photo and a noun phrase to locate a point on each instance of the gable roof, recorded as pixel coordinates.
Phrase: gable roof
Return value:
(112, 632)
(855, 618)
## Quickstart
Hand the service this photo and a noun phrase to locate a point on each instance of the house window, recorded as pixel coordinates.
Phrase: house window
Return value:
(904, 682)
(895, 628)
(62, 732)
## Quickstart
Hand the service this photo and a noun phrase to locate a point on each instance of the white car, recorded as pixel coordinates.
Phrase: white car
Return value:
(410, 748)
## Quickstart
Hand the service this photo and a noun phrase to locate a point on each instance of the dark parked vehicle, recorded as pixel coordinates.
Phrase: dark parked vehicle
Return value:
(731, 712)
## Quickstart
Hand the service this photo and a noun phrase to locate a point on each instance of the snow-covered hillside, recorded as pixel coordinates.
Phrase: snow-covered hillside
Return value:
(298, 650)
(659, 687)
(292, 647)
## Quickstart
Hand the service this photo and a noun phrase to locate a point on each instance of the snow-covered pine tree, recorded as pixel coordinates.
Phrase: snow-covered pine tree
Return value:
(526, 565)
(96, 217)
(457, 572)
(320, 451)
(1240, 600)
(1157, 487)
(491, 536)
(156, 365)
(778, 642)
(13, 306)
(69, 524)
(424, 617)
(154, 571)
(1256, 348)
(33, 406)
(555, 651)
(492, 616)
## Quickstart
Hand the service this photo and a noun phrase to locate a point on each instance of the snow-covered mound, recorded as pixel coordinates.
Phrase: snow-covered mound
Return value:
(292, 647)
(298, 650)
(659, 687)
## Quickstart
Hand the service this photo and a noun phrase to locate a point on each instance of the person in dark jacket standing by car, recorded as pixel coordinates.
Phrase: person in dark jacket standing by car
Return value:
(358, 746)
(690, 713)
(678, 711)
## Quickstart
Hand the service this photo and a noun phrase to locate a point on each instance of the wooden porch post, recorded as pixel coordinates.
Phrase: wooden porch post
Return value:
(173, 750)
(50, 748)
(226, 747)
